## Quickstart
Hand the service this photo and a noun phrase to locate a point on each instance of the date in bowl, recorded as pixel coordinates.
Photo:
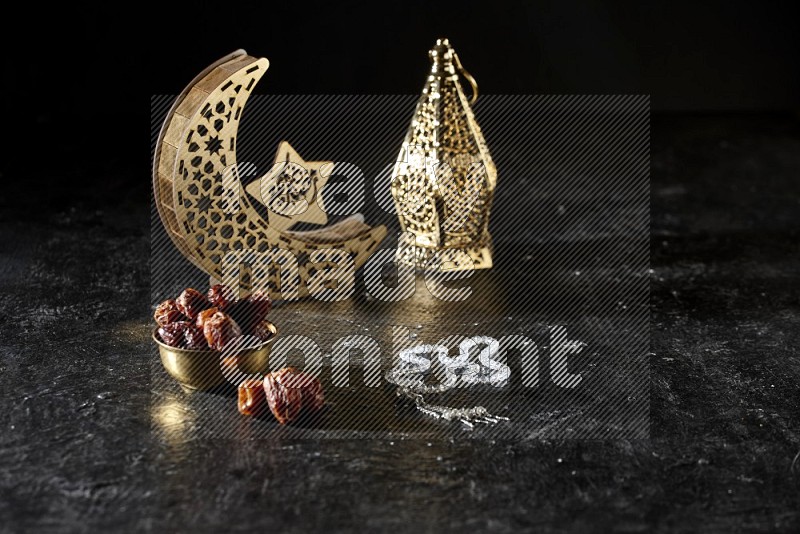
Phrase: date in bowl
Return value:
(202, 369)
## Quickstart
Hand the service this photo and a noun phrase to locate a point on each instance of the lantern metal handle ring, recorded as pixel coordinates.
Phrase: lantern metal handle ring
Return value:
(469, 78)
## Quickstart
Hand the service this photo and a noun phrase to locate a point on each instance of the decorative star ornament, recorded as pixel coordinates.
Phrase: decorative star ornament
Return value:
(292, 190)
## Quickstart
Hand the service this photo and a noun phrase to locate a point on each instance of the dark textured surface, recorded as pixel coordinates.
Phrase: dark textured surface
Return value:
(77, 451)
(571, 248)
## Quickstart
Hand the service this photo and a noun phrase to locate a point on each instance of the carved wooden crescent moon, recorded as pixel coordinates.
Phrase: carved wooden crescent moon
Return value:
(197, 194)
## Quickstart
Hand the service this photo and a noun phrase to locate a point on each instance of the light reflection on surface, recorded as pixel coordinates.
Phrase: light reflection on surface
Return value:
(172, 419)
(133, 331)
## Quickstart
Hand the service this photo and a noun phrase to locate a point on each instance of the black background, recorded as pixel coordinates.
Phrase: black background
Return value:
(687, 55)
(78, 88)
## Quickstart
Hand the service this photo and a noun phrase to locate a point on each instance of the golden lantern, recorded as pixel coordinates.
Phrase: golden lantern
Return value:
(444, 179)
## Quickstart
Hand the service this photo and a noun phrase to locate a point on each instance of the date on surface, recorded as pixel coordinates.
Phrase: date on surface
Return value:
(285, 393)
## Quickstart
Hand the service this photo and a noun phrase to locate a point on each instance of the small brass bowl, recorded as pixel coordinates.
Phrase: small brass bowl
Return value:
(201, 369)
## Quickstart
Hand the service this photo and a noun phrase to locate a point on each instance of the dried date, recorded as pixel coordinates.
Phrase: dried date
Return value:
(284, 403)
(313, 398)
(174, 334)
(220, 329)
(252, 398)
(191, 302)
(263, 331)
(200, 321)
(251, 310)
(309, 386)
(195, 338)
(221, 296)
(167, 312)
